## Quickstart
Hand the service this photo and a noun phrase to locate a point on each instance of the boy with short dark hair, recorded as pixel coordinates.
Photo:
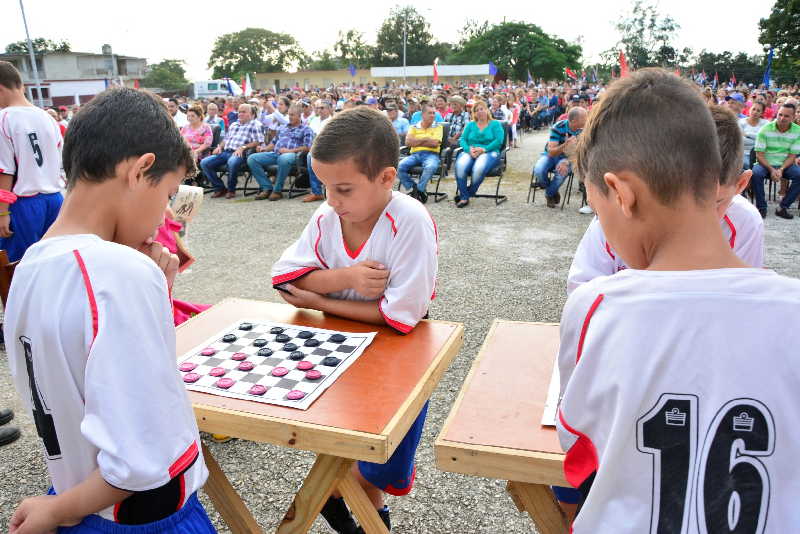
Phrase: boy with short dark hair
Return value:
(90, 337)
(368, 254)
(674, 372)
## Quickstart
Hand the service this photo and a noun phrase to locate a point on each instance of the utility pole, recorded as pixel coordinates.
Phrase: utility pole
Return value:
(33, 57)
(405, 38)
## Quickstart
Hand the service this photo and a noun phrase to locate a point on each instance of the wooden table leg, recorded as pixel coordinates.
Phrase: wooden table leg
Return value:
(326, 473)
(225, 499)
(359, 503)
(540, 503)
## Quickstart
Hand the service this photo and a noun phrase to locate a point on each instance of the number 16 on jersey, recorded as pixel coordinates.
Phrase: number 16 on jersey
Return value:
(728, 483)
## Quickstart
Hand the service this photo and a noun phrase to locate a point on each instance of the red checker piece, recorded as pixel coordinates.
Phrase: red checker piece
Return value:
(217, 371)
(238, 356)
(257, 389)
(191, 377)
(225, 383)
(295, 395)
(302, 366)
(245, 366)
(280, 371)
(208, 351)
(313, 374)
(187, 366)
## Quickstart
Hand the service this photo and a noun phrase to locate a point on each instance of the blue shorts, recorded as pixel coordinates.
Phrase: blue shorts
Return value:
(567, 495)
(190, 519)
(30, 219)
(396, 477)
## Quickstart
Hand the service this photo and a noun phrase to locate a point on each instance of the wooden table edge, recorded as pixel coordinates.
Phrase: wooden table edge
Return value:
(398, 426)
(500, 463)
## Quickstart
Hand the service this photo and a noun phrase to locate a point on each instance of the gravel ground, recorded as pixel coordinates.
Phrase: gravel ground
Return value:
(508, 261)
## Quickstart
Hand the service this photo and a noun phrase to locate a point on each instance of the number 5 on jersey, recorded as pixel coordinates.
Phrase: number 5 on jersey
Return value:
(732, 488)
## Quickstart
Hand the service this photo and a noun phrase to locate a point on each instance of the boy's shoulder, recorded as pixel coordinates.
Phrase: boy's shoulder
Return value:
(742, 213)
(402, 210)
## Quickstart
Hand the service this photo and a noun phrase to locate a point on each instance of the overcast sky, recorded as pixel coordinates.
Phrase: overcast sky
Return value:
(157, 30)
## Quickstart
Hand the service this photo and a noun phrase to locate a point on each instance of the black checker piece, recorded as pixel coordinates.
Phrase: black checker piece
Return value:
(331, 361)
(266, 352)
(229, 338)
(312, 343)
(289, 347)
(260, 342)
(297, 356)
(337, 338)
(246, 326)
(276, 330)
(282, 338)
(305, 334)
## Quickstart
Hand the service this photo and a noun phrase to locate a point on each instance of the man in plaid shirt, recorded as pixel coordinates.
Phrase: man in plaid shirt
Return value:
(240, 137)
(292, 139)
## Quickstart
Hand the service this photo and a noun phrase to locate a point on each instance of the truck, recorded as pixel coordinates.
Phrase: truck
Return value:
(214, 88)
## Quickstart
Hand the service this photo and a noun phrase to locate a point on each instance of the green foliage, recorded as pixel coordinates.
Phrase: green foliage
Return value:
(421, 49)
(169, 75)
(351, 49)
(40, 44)
(516, 47)
(255, 50)
(647, 38)
(781, 30)
(324, 60)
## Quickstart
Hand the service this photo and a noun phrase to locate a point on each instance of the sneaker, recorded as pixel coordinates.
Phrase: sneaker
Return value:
(275, 196)
(422, 196)
(783, 214)
(230, 194)
(6, 416)
(339, 517)
(313, 198)
(8, 434)
(263, 195)
(462, 203)
(551, 202)
(219, 194)
(456, 198)
(763, 212)
(384, 513)
(414, 193)
(586, 210)
(557, 198)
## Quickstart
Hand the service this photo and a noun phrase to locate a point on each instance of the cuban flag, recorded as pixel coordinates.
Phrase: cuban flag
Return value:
(716, 81)
(228, 85)
(530, 78)
(570, 74)
(766, 81)
(435, 70)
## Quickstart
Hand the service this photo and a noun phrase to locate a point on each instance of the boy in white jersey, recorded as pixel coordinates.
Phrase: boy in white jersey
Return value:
(741, 222)
(367, 254)
(677, 373)
(90, 337)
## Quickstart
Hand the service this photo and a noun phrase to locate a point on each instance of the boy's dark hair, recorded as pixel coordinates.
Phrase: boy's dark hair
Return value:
(119, 124)
(731, 148)
(656, 125)
(361, 133)
(9, 76)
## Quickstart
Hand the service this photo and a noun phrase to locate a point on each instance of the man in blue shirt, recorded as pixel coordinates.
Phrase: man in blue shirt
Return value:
(400, 123)
(563, 136)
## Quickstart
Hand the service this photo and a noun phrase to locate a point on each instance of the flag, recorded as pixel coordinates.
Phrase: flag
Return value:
(570, 74)
(583, 76)
(677, 71)
(105, 82)
(135, 84)
(623, 65)
(243, 86)
(228, 85)
(352, 69)
(492, 68)
(530, 78)
(703, 77)
(716, 80)
(594, 74)
(435, 71)
(732, 81)
(767, 80)
(247, 90)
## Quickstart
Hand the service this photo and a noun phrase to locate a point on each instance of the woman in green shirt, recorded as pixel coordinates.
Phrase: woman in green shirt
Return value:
(481, 143)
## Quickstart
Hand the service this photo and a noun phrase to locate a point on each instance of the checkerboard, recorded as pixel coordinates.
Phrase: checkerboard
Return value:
(243, 364)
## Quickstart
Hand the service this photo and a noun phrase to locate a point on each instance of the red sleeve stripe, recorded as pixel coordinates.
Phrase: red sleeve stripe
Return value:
(400, 327)
(733, 230)
(316, 244)
(435, 232)
(580, 460)
(585, 327)
(186, 459)
(608, 249)
(394, 226)
(89, 292)
(294, 275)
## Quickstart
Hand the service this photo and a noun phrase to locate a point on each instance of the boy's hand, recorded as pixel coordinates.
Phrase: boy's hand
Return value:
(5, 226)
(38, 515)
(165, 260)
(369, 278)
(300, 298)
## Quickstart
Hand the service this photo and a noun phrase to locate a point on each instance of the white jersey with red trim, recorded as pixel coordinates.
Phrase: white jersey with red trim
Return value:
(91, 345)
(30, 149)
(742, 226)
(678, 409)
(404, 239)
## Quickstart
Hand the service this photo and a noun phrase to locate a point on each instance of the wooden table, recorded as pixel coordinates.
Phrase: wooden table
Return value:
(494, 429)
(363, 416)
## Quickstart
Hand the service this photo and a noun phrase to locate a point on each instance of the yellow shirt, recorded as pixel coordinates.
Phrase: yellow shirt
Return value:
(434, 132)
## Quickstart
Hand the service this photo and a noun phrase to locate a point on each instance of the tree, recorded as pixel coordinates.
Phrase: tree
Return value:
(169, 75)
(351, 49)
(324, 60)
(519, 47)
(647, 37)
(780, 31)
(420, 46)
(748, 69)
(40, 44)
(254, 50)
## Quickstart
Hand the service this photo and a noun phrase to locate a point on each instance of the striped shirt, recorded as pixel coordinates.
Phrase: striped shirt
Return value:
(292, 137)
(559, 133)
(777, 145)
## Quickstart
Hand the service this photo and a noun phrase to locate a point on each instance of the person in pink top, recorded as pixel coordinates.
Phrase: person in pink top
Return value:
(197, 133)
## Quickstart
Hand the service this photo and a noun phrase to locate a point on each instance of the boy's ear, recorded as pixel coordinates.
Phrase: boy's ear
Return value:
(387, 176)
(743, 181)
(139, 167)
(621, 192)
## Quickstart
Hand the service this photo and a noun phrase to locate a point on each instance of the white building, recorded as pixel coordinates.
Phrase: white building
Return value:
(71, 77)
(423, 74)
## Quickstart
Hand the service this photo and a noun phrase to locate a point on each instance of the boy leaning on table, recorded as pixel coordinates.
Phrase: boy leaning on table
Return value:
(677, 371)
(368, 254)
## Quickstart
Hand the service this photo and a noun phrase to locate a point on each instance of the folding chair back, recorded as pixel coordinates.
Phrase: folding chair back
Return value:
(6, 273)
